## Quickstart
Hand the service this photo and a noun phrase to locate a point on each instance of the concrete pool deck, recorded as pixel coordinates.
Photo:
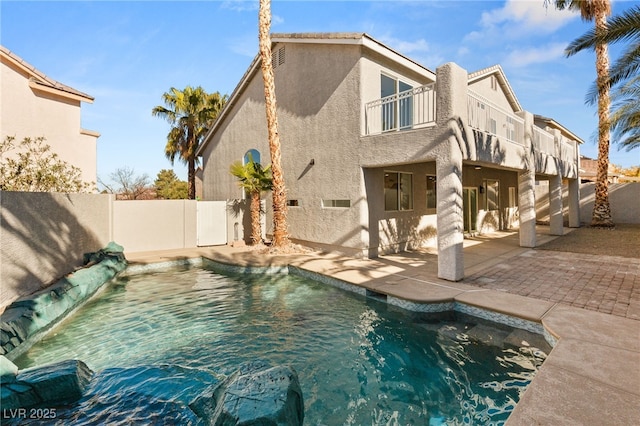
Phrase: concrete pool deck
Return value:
(592, 376)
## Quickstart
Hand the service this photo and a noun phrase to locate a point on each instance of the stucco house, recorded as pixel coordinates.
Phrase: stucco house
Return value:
(382, 154)
(34, 105)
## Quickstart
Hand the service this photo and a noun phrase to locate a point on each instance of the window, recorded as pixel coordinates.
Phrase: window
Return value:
(293, 203)
(492, 194)
(251, 155)
(431, 192)
(398, 191)
(336, 203)
(397, 112)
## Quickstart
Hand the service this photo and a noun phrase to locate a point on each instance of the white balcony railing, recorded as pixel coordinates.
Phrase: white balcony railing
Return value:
(490, 118)
(543, 141)
(568, 151)
(411, 109)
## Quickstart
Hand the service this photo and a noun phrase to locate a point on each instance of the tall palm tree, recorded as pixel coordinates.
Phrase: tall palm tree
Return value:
(280, 234)
(190, 112)
(597, 11)
(624, 73)
(254, 180)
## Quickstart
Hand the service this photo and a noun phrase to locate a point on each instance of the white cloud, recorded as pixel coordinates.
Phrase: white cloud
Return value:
(240, 5)
(276, 19)
(517, 18)
(245, 46)
(406, 47)
(535, 55)
(418, 50)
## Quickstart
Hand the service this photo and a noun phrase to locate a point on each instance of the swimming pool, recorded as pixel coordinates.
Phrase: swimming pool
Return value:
(359, 360)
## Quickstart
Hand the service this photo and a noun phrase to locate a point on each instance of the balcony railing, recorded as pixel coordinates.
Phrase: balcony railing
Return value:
(490, 118)
(543, 142)
(568, 151)
(411, 109)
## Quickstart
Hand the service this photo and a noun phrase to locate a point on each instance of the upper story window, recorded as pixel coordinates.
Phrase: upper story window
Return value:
(251, 155)
(397, 112)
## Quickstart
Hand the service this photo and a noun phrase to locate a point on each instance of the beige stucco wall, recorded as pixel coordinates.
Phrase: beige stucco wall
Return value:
(28, 112)
(623, 200)
(143, 225)
(314, 92)
(43, 236)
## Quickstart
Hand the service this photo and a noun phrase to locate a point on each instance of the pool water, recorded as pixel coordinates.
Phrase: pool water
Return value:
(156, 340)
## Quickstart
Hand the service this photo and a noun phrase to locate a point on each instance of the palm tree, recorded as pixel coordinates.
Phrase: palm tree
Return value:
(254, 180)
(280, 234)
(190, 112)
(625, 119)
(597, 11)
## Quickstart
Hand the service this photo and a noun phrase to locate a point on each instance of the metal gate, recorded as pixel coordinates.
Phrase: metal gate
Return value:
(212, 223)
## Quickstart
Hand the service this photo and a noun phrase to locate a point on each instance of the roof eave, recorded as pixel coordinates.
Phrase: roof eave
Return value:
(253, 67)
(560, 127)
(43, 87)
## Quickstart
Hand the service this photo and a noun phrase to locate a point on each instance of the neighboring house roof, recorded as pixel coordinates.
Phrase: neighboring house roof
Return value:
(362, 39)
(554, 124)
(502, 81)
(39, 81)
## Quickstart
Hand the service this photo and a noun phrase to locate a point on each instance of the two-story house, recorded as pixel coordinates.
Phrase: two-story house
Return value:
(382, 154)
(35, 105)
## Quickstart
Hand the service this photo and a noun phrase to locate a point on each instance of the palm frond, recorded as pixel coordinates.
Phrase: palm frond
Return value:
(624, 27)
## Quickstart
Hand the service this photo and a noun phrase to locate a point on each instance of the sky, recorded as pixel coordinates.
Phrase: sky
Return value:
(127, 54)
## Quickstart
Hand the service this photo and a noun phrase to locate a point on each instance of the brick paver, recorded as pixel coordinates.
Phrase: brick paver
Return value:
(608, 284)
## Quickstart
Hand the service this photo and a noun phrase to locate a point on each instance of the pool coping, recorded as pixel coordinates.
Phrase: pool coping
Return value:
(592, 373)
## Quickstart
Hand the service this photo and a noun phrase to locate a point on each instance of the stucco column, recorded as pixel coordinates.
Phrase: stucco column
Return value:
(555, 192)
(555, 205)
(574, 203)
(527, 186)
(451, 98)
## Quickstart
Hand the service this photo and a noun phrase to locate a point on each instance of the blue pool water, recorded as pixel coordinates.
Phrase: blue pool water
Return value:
(156, 340)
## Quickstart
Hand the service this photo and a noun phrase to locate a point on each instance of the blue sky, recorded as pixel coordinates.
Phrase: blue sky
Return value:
(127, 54)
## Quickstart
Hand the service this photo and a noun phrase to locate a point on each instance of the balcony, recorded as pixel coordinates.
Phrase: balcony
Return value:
(490, 118)
(544, 143)
(412, 109)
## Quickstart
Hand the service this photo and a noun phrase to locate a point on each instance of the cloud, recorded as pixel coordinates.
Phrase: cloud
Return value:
(246, 45)
(240, 5)
(528, 15)
(276, 19)
(520, 18)
(535, 55)
(406, 47)
(418, 50)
